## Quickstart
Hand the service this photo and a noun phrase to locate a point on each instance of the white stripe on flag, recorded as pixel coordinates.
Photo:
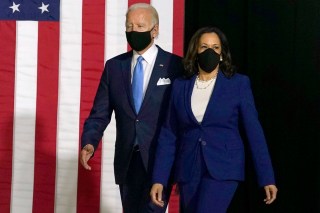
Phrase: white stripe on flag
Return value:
(24, 116)
(165, 12)
(69, 105)
(115, 38)
(110, 195)
(115, 44)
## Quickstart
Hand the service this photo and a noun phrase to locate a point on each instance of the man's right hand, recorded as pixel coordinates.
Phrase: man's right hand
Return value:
(85, 155)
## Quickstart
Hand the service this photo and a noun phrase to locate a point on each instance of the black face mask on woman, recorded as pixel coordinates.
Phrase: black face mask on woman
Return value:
(139, 40)
(208, 60)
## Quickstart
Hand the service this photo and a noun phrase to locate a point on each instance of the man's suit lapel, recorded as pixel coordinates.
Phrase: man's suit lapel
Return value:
(159, 71)
(126, 74)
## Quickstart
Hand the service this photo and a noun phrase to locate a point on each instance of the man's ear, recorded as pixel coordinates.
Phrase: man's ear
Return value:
(155, 31)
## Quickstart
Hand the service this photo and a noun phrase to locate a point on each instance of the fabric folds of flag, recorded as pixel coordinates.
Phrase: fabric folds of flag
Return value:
(52, 55)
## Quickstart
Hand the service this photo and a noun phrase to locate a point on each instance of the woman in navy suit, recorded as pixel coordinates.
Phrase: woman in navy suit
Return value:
(200, 140)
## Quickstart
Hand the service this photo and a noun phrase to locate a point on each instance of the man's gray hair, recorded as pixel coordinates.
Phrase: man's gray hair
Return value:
(154, 13)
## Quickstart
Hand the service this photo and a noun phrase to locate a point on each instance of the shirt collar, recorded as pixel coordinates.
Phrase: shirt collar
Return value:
(148, 55)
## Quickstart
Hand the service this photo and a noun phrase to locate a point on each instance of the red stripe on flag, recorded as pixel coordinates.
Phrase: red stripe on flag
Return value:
(174, 200)
(130, 2)
(93, 23)
(7, 76)
(178, 27)
(46, 117)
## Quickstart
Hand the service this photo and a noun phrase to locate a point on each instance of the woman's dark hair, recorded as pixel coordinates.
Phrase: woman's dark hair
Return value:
(190, 61)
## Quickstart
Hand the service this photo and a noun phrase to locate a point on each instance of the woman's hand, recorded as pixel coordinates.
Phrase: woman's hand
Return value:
(271, 193)
(156, 194)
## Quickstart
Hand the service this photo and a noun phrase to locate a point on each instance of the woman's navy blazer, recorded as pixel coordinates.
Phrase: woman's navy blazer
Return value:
(231, 108)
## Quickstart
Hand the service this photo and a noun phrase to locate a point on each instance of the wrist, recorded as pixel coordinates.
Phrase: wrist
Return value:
(89, 148)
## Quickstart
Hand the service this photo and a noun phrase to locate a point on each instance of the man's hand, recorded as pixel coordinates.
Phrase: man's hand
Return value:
(85, 155)
(156, 194)
(271, 193)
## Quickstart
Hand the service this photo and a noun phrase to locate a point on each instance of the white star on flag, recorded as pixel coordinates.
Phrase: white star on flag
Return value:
(14, 7)
(44, 8)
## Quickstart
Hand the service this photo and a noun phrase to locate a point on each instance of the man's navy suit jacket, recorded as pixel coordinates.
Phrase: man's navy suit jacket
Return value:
(114, 94)
(231, 107)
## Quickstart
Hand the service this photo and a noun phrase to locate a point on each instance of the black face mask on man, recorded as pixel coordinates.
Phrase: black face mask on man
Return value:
(139, 40)
(208, 60)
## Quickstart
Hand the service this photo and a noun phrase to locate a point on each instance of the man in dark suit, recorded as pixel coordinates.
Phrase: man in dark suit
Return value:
(139, 103)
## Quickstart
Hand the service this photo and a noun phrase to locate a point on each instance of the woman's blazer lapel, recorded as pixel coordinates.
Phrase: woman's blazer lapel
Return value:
(188, 93)
(213, 103)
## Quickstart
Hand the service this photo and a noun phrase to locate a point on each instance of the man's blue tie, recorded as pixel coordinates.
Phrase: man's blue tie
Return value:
(137, 84)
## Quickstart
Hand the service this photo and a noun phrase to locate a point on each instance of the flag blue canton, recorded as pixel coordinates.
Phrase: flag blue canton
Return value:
(36, 10)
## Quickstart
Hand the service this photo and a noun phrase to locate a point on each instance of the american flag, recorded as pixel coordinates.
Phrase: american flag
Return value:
(52, 54)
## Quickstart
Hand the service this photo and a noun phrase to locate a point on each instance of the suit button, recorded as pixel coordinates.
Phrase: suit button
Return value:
(200, 140)
(203, 143)
(137, 121)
